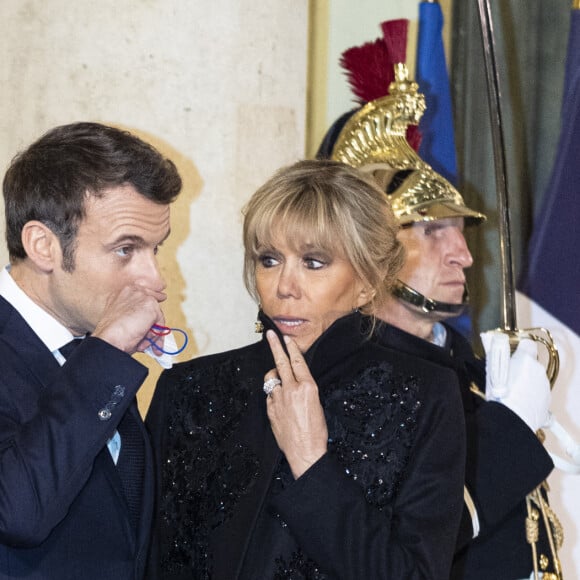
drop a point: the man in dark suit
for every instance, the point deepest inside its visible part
(87, 207)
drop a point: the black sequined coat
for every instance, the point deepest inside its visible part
(384, 502)
(505, 461)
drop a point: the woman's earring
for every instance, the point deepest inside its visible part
(258, 326)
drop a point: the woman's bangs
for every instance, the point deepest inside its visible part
(299, 226)
(309, 228)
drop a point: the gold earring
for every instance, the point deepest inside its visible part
(258, 326)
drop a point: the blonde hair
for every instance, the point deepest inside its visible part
(334, 207)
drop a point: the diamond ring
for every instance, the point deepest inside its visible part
(271, 384)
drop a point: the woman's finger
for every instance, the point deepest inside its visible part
(297, 363)
(280, 358)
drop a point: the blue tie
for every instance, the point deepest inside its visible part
(131, 462)
(67, 349)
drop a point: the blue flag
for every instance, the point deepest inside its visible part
(549, 293)
(438, 139)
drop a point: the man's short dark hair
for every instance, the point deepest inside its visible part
(50, 180)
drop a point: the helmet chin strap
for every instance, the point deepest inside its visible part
(408, 294)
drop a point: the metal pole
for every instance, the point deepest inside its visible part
(508, 314)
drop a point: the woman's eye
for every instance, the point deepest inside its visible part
(267, 261)
(314, 263)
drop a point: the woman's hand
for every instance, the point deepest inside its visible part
(294, 408)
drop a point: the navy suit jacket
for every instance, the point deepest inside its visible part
(63, 514)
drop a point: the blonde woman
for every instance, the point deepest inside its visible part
(313, 453)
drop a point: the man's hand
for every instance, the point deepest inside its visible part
(129, 316)
(518, 381)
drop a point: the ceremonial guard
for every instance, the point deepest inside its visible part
(508, 530)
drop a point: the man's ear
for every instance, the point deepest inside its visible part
(41, 245)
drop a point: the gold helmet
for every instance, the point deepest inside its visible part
(374, 140)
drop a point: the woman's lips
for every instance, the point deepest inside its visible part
(286, 324)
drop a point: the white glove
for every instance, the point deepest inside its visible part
(520, 381)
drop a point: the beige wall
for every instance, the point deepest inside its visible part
(219, 85)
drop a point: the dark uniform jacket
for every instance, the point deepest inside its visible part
(384, 502)
(63, 511)
(505, 461)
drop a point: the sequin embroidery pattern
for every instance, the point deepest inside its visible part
(203, 479)
(298, 567)
(372, 422)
